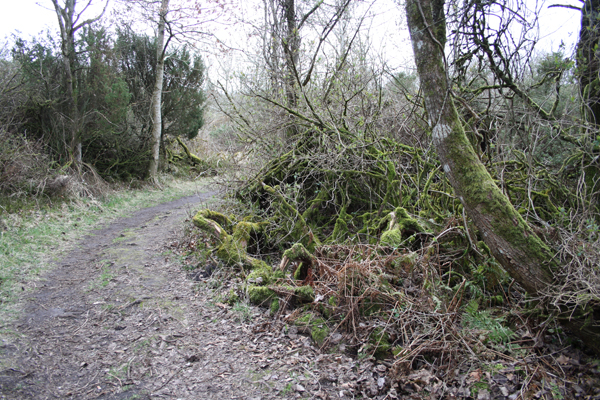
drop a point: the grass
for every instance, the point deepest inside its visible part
(35, 237)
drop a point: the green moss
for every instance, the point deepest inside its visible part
(317, 326)
(406, 262)
(219, 218)
(319, 333)
(299, 271)
(305, 293)
(299, 252)
(400, 223)
(332, 301)
(262, 274)
(202, 221)
(260, 295)
(274, 306)
(255, 263)
(392, 238)
(327, 312)
(243, 229)
(340, 230)
(231, 251)
(232, 297)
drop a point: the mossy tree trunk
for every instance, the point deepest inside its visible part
(525, 257)
(588, 60)
(512, 242)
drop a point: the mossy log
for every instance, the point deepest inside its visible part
(400, 224)
(192, 157)
(232, 248)
(298, 254)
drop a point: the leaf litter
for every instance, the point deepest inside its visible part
(120, 319)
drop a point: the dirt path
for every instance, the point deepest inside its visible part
(118, 319)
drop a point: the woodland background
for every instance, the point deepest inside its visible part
(460, 195)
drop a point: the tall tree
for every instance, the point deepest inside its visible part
(69, 23)
(512, 242)
(158, 89)
(588, 60)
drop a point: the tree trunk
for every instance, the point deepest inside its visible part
(524, 256)
(156, 114)
(291, 49)
(512, 242)
(67, 21)
(588, 60)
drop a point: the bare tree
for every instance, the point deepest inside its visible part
(70, 21)
(157, 93)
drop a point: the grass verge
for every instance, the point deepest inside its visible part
(32, 239)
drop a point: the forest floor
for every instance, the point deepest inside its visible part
(124, 315)
(119, 318)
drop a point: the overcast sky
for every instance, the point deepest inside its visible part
(29, 17)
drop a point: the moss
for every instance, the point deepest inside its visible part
(305, 293)
(400, 223)
(231, 252)
(262, 276)
(340, 230)
(392, 238)
(317, 326)
(298, 252)
(406, 262)
(219, 218)
(319, 332)
(260, 294)
(299, 272)
(243, 229)
(274, 306)
(301, 232)
(327, 312)
(232, 297)
(201, 220)
(255, 263)
(332, 301)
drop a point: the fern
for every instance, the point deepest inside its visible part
(492, 327)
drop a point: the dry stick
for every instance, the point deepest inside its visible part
(168, 380)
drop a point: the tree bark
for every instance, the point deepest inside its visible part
(291, 48)
(588, 60)
(512, 242)
(524, 256)
(67, 21)
(156, 112)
